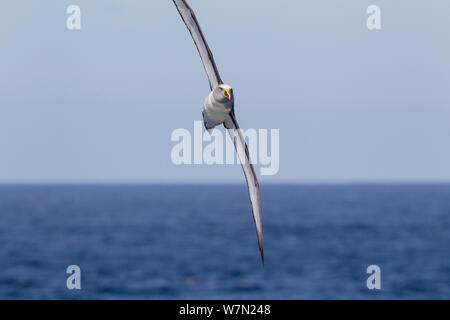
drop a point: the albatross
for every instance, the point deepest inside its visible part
(219, 109)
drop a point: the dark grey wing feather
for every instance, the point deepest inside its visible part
(206, 55)
(250, 176)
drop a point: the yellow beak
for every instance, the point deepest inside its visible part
(227, 94)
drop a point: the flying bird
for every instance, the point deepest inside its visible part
(219, 109)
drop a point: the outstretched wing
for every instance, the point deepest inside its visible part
(191, 22)
(250, 176)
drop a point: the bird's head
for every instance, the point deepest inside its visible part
(223, 93)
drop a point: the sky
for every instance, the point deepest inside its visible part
(99, 105)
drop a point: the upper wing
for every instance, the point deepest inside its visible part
(250, 176)
(191, 22)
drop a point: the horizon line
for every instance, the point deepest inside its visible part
(208, 183)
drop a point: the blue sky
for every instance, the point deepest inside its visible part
(99, 104)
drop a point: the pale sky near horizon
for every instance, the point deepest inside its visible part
(99, 104)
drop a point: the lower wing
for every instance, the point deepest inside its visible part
(250, 176)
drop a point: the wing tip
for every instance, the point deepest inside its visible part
(261, 250)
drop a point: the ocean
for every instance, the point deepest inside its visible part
(199, 242)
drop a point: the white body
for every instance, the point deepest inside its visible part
(215, 112)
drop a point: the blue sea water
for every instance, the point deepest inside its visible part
(199, 242)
